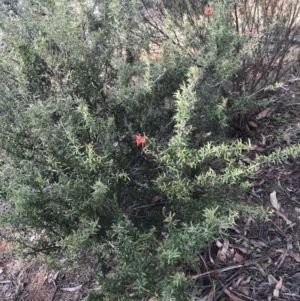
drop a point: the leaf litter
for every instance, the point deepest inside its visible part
(28, 282)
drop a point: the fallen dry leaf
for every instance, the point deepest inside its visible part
(237, 283)
(260, 269)
(262, 181)
(247, 225)
(225, 245)
(238, 258)
(244, 250)
(264, 113)
(254, 147)
(272, 280)
(278, 287)
(55, 275)
(71, 289)
(224, 253)
(219, 244)
(245, 290)
(253, 124)
(245, 159)
(211, 295)
(257, 243)
(265, 265)
(241, 281)
(221, 256)
(246, 281)
(210, 257)
(290, 223)
(231, 295)
(274, 200)
(296, 256)
(251, 147)
(289, 246)
(281, 259)
(281, 250)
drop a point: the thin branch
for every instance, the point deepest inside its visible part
(235, 266)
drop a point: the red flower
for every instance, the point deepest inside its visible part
(139, 140)
(208, 11)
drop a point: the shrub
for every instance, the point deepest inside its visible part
(146, 265)
(72, 102)
(79, 81)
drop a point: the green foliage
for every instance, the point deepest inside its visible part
(158, 267)
(79, 79)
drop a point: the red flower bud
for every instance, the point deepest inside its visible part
(139, 140)
(208, 11)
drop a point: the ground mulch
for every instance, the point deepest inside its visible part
(31, 281)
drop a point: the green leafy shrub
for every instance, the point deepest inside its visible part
(72, 102)
(80, 80)
(161, 268)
